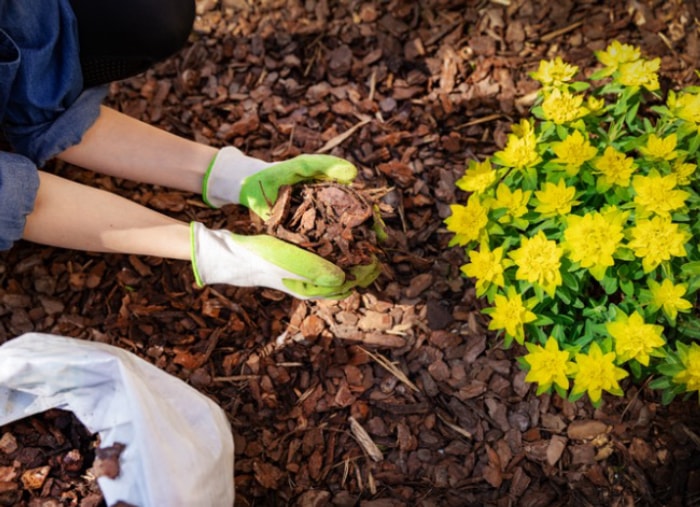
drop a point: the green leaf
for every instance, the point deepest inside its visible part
(625, 254)
(560, 391)
(507, 341)
(543, 389)
(494, 229)
(378, 225)
(491, 292)
(628, 287)
(539, 293)
(543, 320)
(575, 397)
(694, 144)
(583, 341)
(596, 311)
(631, 115)
(558, 332)
(690, 329)
(660, 383)
(635, 368)
(531, 178)
(562, 132)
(670, 370)
(632, 143)
(609, 284)
(691, 268)
(537, 333)
(693, 285)
(588, 178)
(565, 321)
(579, 86)
(599, 74)
(564, 294)
(661, 110)
(570, 281)
(667, 397)
(537, 112)
(520, 224)
(547, 128)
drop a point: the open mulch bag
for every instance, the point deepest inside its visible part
(178, 443)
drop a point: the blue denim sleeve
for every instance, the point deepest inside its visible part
(19, 182)
(9, 63)
(40, 142)
(43, 106)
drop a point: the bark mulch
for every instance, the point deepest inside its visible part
(397, 395)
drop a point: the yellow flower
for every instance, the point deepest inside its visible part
(640, 73)
(573, 151)
(657, 194)
(548, 365)
(614, 167)
(510, 314)
(514, 201)
(685, 105)
(520, 150)
(683, 171)
(524, 128)
(478, 177)
(616, 54)
(634, 338)
(538, 260)
(554, 72)
(486, 266)
(555, 199)
(561, 106)
(595, 105)
(593, 239)
(690, 376)
(596, 372)
(657, 240)
(669, 298)
(660, 148)
(467, 222)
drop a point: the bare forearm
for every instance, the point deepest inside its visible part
(71, 215)
(122, 146)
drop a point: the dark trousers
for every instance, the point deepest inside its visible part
(125, 37)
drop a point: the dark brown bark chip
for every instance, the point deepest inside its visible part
(341, 223)
(46, 458)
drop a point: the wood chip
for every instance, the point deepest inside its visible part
(365, 440)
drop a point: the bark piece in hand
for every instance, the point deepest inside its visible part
(329, 219)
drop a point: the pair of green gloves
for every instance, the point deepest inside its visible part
(219, 256)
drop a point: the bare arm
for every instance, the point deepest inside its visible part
(122, 146)
(71, 215)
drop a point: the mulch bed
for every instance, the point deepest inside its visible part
(397, 395)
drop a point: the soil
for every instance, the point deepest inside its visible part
(397, 395)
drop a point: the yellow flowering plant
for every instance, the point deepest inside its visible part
(582, 232)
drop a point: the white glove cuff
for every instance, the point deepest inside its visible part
(218, 258)
(225, 175)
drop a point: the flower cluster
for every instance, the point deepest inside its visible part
(582, 232)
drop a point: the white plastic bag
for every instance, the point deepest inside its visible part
(179, 446)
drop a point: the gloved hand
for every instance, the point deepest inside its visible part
(235, 178)
(219, 256)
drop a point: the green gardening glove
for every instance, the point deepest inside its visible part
(219, 256)
(235, 178)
